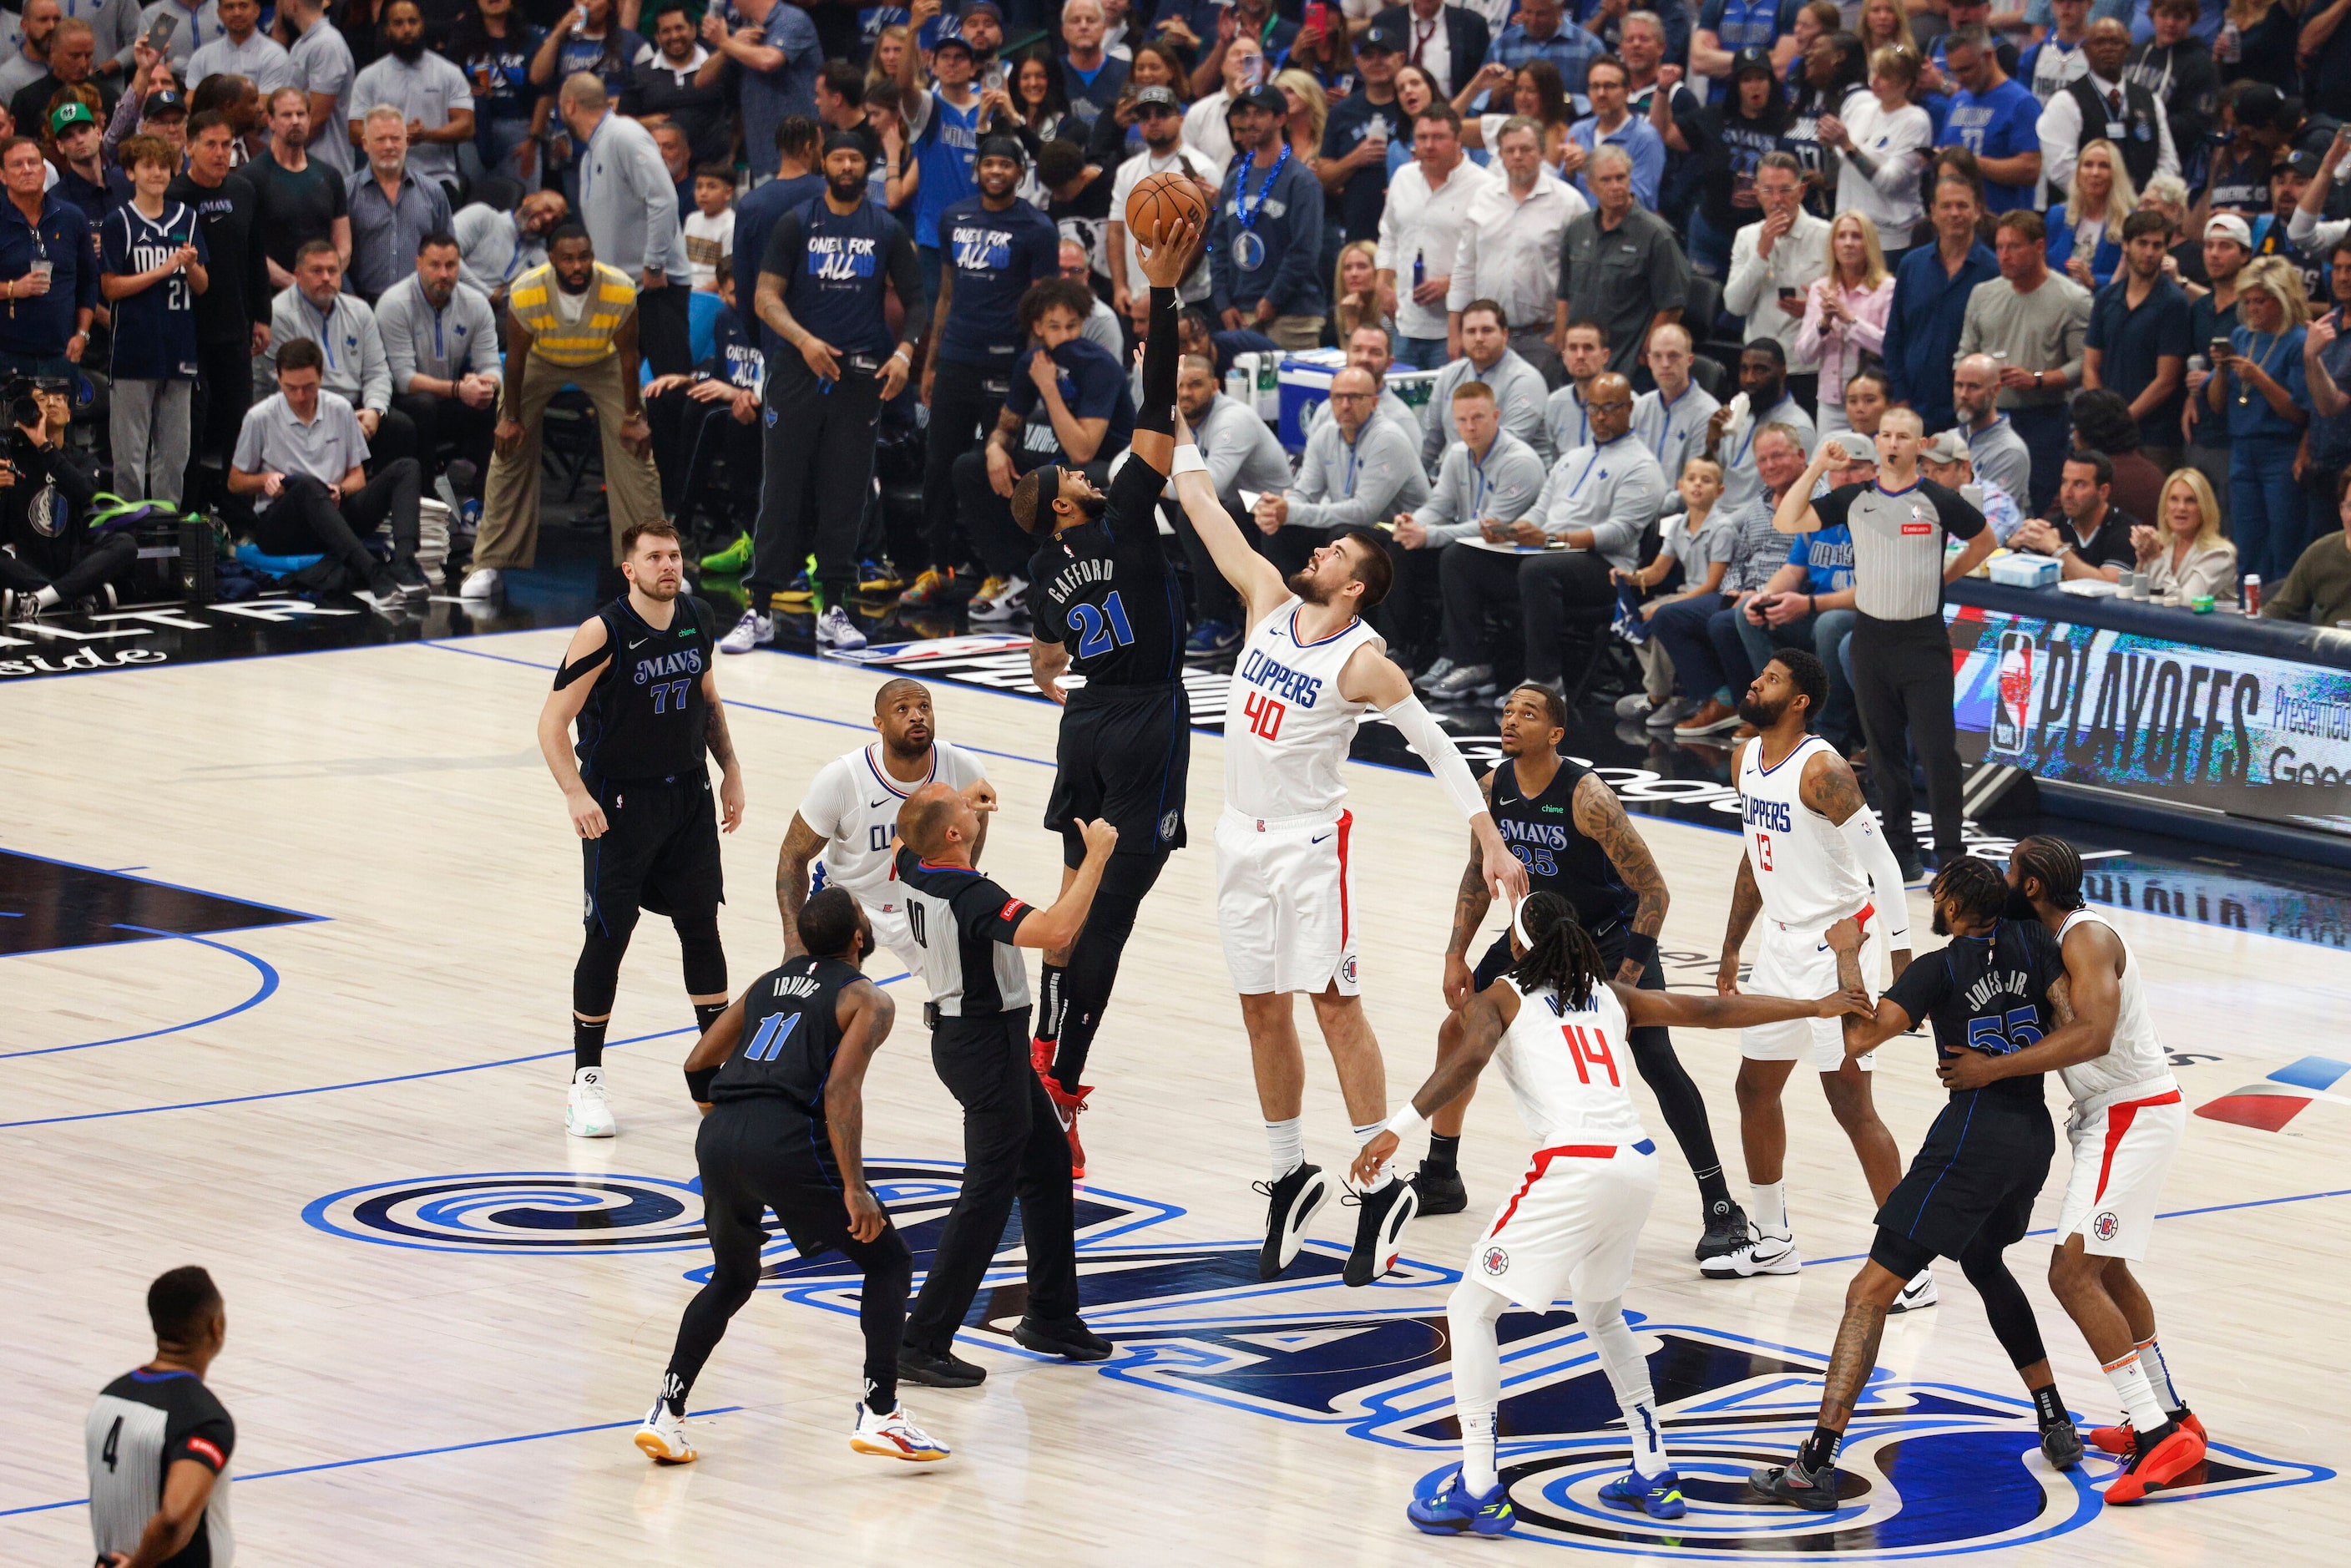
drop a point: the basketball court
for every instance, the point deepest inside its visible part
(286, 945)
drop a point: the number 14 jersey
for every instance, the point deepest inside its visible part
(1287, 728)
(1565, 1069)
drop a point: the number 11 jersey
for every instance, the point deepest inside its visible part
(1287, 728)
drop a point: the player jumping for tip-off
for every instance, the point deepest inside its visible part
(1310, 670)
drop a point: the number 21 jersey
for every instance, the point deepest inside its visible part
(1104, 590)
(155, 328)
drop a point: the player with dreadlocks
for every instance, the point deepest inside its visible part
(2125, 1129)
(1998, 990)
(1558, 1022)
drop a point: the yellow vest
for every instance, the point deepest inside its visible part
(561, 342)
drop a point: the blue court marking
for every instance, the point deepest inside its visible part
(2175, 1213)
(356, 1083)
(866, 728)
(244, 1479)
(2318, 1073)
(268, 987)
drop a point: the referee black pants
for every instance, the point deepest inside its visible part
(1013, 1147)
(1902, 686)
(817, 469)
(964, 402)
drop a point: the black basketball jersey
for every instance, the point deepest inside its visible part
(645, 717)
(1559, 858)
(1103, 589)
(1988, 993)
(144, 1424)
(789, 1037)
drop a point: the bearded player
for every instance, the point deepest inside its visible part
(1309, 671)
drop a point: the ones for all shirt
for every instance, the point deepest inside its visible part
(155, 328)
(995, 256)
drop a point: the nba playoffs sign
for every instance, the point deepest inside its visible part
(2175, 721)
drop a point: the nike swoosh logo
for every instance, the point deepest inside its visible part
(638, 643)
(1318, 840)
(877, 805)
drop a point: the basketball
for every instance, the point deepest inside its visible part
(1163, 200)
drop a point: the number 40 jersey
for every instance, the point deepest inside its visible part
(1287, 728)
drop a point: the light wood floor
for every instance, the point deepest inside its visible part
(396, 791)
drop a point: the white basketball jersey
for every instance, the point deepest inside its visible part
(1805, 870)
(1570, 1071)
(853, 804)
(2136, 1059)
(1287, 728)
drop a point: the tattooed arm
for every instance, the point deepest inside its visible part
(801, 846)
(1469, 907)
(1600, 818)
(722, 746)
(1829, 787)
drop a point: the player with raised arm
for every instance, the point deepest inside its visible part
(1567, 829)
(639, 796)
(845, 825)
(2125, 1129)
(1106, 606)
(1998, 988)
(1557, 1025)
(1309, 671)
(1813, 856)
(780, 1077)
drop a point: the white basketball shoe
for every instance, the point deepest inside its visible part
(893, 1437)
(662, 1436)
(589, 1114)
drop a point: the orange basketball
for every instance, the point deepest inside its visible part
(1162, 201)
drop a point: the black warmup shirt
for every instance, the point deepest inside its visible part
(290, 210)
(237, 291)
(789, 1037)
(646, 717)
(965, 924)
(1104, 591)
(1988, 993)
(1542, 832)
(144, 1424)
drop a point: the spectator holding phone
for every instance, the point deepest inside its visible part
(48, 269)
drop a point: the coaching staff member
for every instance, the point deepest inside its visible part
(1901, 653)
(159, 1442)
(970, 931)
(820, 291)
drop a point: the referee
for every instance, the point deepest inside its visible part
(1901, 653)
(820, 291)
(639, 795)
(160, 1443)
(971, 931)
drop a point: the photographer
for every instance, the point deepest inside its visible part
(45, 500)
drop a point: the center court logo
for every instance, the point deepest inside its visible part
(1930, 1470)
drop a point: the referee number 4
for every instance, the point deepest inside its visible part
(1264, 714)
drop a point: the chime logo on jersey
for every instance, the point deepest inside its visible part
(834, 256)
(1931, 1470)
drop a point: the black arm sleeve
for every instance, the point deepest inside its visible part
(906, 277)
(1156, 412)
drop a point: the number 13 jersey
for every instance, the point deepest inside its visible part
(1803, 868)
(1287, 728)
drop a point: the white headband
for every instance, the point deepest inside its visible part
(1519, 925)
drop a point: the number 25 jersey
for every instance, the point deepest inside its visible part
(1287, 728)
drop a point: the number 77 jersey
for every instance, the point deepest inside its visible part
(1287, 728)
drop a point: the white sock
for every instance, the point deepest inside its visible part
(1387, 1166)
(2158, 1374)
(1477, 1473)
(2136, 1393)
(48, 597)
(1628, 1375)
(1289, 1143)
(587, 1075)
(1648, 1439)
(1767, 1206)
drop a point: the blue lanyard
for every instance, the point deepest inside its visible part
(1666, 430)
(1478, 485)
(515, 260)
(1593, 462)
(1754, 424)
(438, 352)
(1349, 448)
(1242, 211)
(326, 337)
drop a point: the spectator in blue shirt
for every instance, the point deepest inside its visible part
(2261, 386)
(2140, 337)
(1265, 257)
(776, 54)
(1092, 76)
(1604, 20)
(1931, 304)
(1613, 122)
(1543, 33)
(48, 269)
(2326, 367)
(1727, 27)
(1996, 117)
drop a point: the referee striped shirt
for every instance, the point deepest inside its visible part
(1897, 543)
(142, 1425)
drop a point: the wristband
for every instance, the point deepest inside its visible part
(1188, 461)
(1640, 948)
(698, 1083)
(1405, 1123)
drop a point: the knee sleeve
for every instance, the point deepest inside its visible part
(705, 960)
(1470, 1314)
(2005, 1306)
(597, 976)
(1620, 1354)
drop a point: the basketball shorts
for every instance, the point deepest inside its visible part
(1799, 964)
(1572, 1225)
(659, 849)
(1285, 902)
(760, 1152)
(1982, 1164)
(1124, 755)
(2121, 1155)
